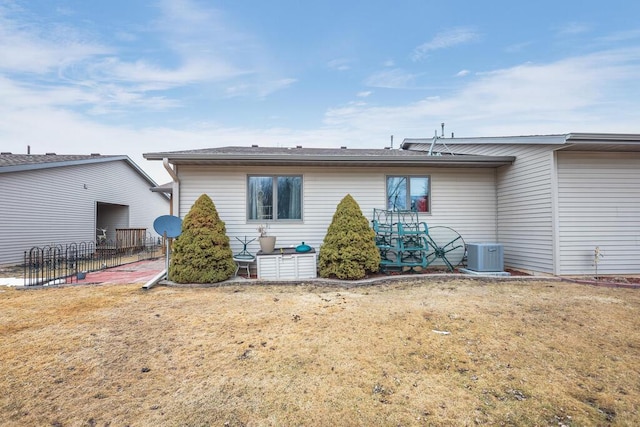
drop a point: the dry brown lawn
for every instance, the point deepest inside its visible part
(516, 353)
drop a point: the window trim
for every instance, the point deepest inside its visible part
(275, 198)
(408, 191)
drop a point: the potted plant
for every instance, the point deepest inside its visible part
(267, 243)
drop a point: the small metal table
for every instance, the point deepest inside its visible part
(244, 258)
(243, 262)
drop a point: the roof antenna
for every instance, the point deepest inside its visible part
(433, 142)
(435, 139)
(392, 142)
(28, 149)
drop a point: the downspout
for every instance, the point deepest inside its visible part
(555, 220)
(175, 206)
(175, 195)
(496, 205)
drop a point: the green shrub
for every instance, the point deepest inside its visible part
(348, 250)
(201, 254)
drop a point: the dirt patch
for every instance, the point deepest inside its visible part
(414, 352)
(12, 271)
(607, 281)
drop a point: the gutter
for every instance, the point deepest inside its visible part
(167, 166)
(603, 138)
(175, 194)
(270, 160)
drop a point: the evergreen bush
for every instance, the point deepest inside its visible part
(348, 250)
(201, 254)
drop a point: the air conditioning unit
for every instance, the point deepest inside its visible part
(485, 257)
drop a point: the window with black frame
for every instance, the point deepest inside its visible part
(408, 193)
(274, 198)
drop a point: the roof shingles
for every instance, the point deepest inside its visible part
(39, 159)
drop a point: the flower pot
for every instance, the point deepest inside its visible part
(267, 244)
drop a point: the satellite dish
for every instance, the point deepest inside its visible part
(168, 225)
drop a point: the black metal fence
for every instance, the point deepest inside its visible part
(58, 264)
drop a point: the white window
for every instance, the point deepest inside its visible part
(408, 193)
(274, 198)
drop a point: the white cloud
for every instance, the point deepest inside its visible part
(445, 40)
(573, 28)
(621, 36)
(462, 73)
(262, 89)
(364, 94)
(592, 93)
(339, 64)
(64, 132)
(391, 79)
(25, 47)
(204, 47)
(517, 47)
(193, 70)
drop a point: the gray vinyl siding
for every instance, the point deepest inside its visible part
(52, 206)
(463, 199)
(524, 202)
(599, 206)
(526, 211)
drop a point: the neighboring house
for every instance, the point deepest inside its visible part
(550, 200)
(58, 199)
(564, 196)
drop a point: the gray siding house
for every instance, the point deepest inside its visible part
(58, 199)
(549, 200)
(562, 197)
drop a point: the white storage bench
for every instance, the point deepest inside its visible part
(286, 263)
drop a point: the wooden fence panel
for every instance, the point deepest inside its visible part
(131, 238)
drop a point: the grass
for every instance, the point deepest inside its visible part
(421, 352)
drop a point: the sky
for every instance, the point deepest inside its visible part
(139, 76)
